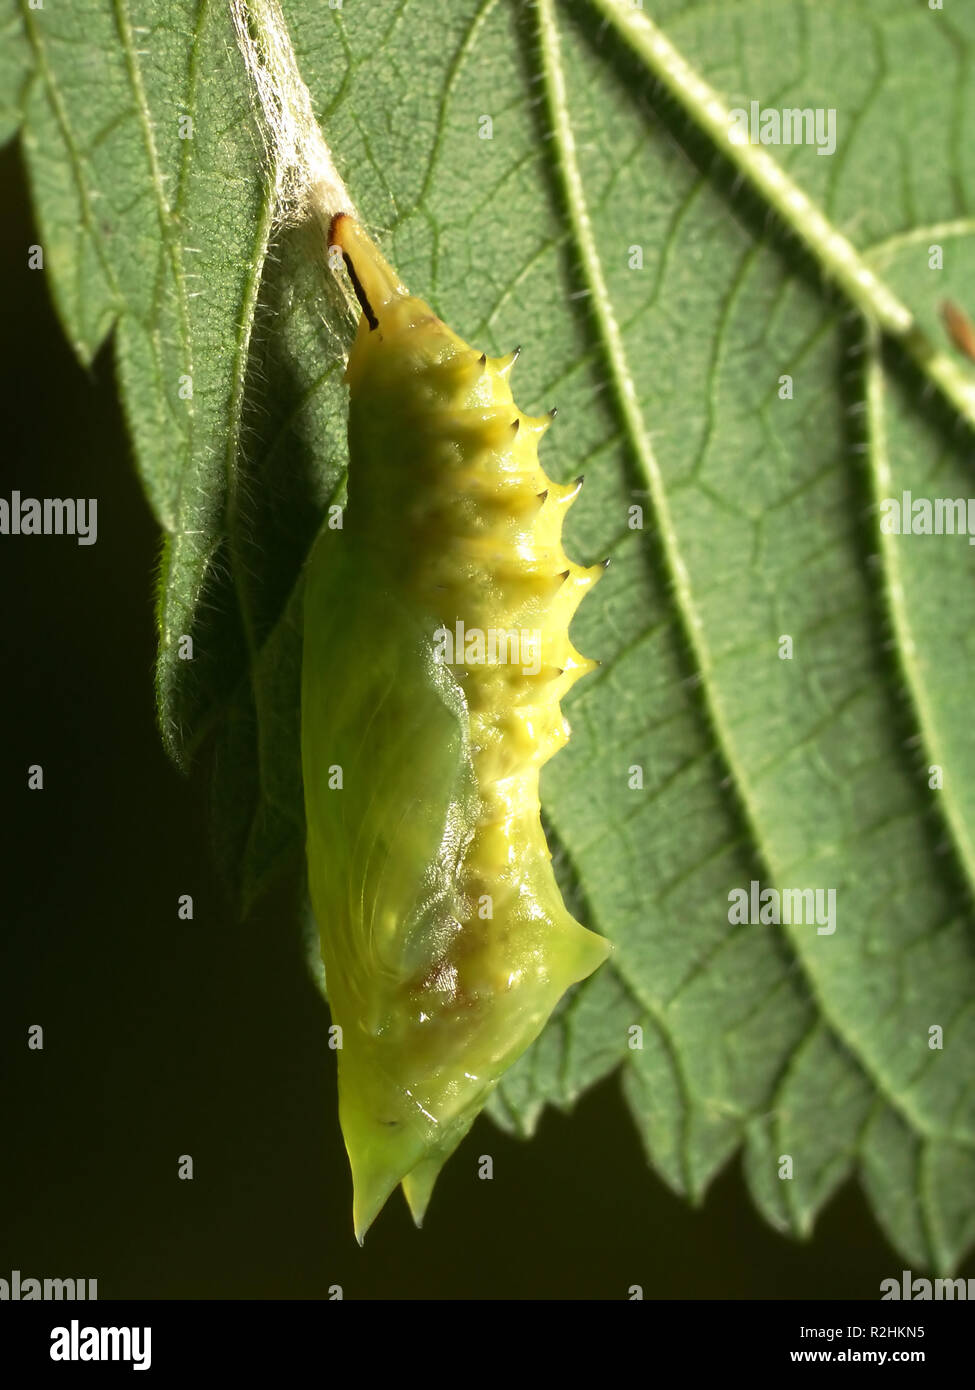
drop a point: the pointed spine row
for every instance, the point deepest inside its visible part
(497, 565)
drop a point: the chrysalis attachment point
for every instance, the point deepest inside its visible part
(375, 282)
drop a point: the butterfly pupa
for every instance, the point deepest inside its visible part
(436, 652)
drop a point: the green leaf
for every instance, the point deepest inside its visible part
(662, 281)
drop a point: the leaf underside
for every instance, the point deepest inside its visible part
(660, 301)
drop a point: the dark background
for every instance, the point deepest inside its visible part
(164, 1037)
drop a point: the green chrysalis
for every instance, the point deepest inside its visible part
(436, 652)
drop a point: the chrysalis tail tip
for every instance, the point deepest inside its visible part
(418, 1207)
(374, 1176)
(364, 1214)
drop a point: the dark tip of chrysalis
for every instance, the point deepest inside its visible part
(333, 227)
(605, 563)
(515, 354)
(515, 426)
(553, 412)
(482, 360)
(563, 575)
(580, 480)
(542, 495)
